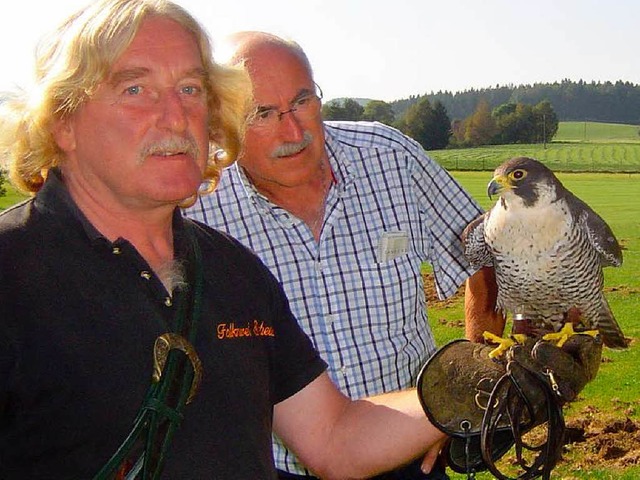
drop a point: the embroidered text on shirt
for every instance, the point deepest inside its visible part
(255, 329)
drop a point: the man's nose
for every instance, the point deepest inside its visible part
(173, 114)
(290, 126)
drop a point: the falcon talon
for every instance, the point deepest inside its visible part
(504, 344)
(491, 337)
(563, 335)
(591, 333)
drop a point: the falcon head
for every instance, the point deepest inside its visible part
(525, 178)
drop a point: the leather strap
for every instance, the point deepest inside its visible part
(510, 398)
(177, 372)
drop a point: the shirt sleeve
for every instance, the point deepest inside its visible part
(446, 208)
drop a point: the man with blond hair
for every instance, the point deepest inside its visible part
(135, 343)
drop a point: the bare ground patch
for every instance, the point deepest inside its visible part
(608, 440)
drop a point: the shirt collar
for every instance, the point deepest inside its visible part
(342, 164)
(54, 198)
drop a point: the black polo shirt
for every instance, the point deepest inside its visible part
(78, 319)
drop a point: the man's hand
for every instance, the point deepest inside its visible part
(432, 456)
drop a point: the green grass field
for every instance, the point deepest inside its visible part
(593, 132)
(577, 147)
(12, 197)
(616, 389)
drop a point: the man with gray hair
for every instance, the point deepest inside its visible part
(344, 214)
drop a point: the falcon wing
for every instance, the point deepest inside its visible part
(475, 249)
(600, 235)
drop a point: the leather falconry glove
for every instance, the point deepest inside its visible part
(487, 404)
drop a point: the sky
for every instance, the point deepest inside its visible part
(389, 50)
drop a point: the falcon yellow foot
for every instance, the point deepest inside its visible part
(503, 343)
(565, 333)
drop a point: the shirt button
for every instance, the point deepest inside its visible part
(319, 267)
(116, 251)
(168, 302)
(331, 319)
(343, 370)
(146, 275)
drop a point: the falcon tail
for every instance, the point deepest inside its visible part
(608, 327)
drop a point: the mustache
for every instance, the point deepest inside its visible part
(171, 146)
(291, 148)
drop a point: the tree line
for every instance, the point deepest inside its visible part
(498, 115)
(430, 124)
(608, 102)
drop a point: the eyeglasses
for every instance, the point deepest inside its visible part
(305, 107)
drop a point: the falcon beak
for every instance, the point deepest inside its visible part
(498, 184)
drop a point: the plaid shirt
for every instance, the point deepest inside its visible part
(358, 292)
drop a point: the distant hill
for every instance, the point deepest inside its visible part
(617, 102)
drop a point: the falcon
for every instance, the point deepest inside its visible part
(548, 249)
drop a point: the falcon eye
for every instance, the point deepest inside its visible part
(518, 174)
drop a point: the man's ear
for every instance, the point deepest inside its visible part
(64, 134)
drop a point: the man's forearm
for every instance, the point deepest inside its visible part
(481, 292)
(381, 433)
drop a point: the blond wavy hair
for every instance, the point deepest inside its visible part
(77, 57)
